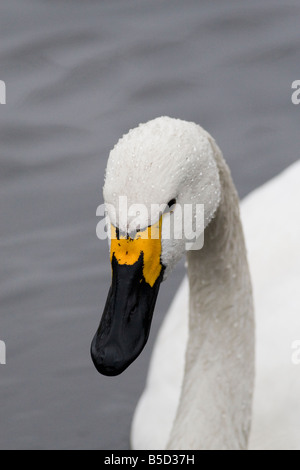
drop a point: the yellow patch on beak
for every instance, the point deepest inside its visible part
(128, 250)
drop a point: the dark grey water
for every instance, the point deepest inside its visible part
(78, 75)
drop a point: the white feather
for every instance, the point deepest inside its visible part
(271, 223)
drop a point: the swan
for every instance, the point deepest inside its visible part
(199, 392)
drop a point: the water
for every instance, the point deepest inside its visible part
(79, 75)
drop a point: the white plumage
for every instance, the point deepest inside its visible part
(271, 221)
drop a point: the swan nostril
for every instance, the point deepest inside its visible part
(132, 313)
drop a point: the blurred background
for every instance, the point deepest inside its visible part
(79, 75)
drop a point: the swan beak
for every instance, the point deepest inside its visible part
(137, 273)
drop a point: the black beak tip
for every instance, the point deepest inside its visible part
(107, 360)
(126, 320)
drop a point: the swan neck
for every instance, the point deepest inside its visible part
(219, 370)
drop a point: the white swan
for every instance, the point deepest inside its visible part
(200, 384)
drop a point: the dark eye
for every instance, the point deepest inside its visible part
(170, 206)
(172, 203)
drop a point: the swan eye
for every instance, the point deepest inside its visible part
(172, 203)
(170, 206)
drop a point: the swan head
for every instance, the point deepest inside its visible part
(160, 176)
